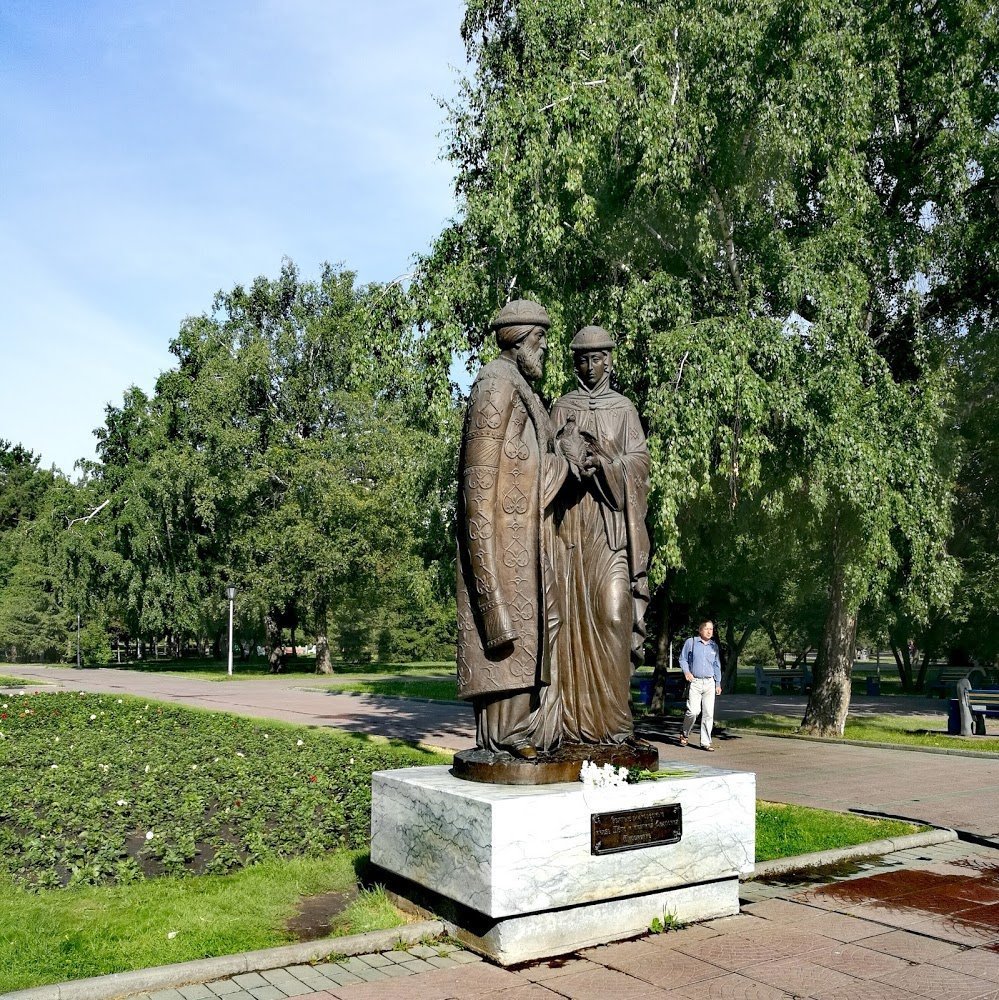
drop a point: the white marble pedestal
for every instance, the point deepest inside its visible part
(514, 870)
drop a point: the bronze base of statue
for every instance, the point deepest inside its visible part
(559, 765)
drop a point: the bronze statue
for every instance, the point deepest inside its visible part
(552, 557)
(600, 519)
(507, 599)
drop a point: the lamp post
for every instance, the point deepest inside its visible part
(230, 593)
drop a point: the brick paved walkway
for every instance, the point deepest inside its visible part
(915, 925)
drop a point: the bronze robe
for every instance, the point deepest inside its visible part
(601, 522)
(508, 476)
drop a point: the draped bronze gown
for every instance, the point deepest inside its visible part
(605, 554)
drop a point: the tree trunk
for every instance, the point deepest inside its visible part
(923, 667)
(734, 648)
(272, 643)
(900, 650)
(775, 644)
(324, 660)
(829, 701)
(664, 616)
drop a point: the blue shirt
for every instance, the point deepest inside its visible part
(701, 658)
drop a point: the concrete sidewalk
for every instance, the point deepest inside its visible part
(951, 791)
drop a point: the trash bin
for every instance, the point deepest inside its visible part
(954, 718)
(644, 690)
(873, 686)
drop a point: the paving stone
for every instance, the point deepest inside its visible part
(315, 980)
(338, 974)
(980, 962)
(422, 951)
(396, 971)
(840, 926)
(799, 976)
(442, 962)
(857, 961)
(780, 911)
(283, 979)
(731, 986)
(418, 965)
(465, 957)
(356, 966)
(396, 956)
(869, 990)
(299, 970)
(554, 968)
(940, 984)
(249, 980)
(199, 991)
(375, 960)
(224, 987)
(911, 947)
(268, 992)
(166, 995)
(473, 981)
(600, 984)
(666, 968)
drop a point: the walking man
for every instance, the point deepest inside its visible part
(701, 665)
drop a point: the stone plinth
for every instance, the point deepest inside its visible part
(516, 867)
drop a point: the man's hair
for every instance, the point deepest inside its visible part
(705, 621)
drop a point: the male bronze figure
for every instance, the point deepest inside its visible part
(506, 594)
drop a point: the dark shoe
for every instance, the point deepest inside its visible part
(525, 751)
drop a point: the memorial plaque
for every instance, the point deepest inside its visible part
(631, 829)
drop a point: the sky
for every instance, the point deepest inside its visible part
(155, 152)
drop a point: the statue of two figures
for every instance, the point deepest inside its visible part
(552, 558)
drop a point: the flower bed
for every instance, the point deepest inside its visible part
(97, 789)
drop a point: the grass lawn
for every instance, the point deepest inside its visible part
(134, 833)
(433, 688)
(14, 682)
(60, 934)
(784, 831)
(304, 667)
(917, 731)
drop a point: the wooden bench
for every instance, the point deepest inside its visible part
(984, 703)
(787, 680)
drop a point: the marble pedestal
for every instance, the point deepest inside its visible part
(512, 867)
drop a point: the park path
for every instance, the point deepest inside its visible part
(957, 791)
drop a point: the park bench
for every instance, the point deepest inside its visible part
(786, 680)
(984, 703)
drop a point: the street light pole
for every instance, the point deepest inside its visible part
(230, 593)
(79, 659)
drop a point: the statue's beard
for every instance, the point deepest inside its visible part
(531, 363)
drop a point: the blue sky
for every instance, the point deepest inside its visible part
(154, 152)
